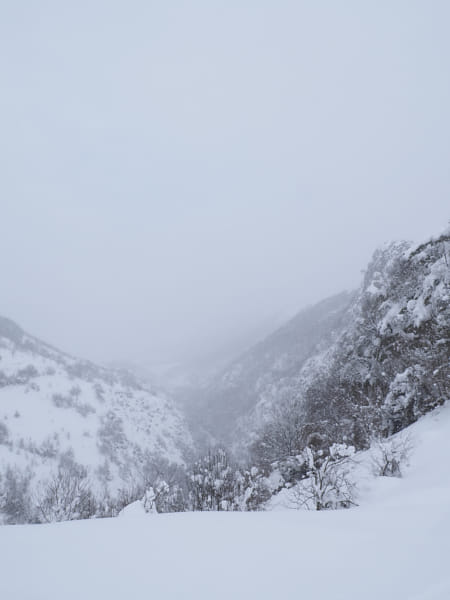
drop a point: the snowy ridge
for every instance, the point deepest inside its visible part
(55, 406)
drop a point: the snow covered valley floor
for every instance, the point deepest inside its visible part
(394, 546)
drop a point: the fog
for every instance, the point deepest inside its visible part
(179, 177)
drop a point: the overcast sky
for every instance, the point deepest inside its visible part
(176, 173)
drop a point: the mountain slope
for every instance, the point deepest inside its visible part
(353, 366)
(54, 408)
(269, 369)
(392, 364)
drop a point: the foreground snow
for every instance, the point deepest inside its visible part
(396, 545)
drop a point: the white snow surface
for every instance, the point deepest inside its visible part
(394, 546)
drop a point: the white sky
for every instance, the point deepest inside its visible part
(176, 173)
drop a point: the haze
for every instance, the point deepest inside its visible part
(181, 176)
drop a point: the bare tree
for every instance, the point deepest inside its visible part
(328, 484)
(66, 497)
(389, 456)
(282, 434)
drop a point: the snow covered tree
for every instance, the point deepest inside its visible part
(67, 496)
(328, 483)
(168, 482)
(252, 489)
(212, 482)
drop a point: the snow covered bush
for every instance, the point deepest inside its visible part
(328, 483)
(67, 496)
(212, 482)
(168, 482)
(149, 501)
(15, 503)
(158, 484)
(164, 498)
(291, 469)
(409, 397)
(252, 490)
(170, 497)
(390, 455)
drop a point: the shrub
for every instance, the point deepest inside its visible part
(15, 501)
(328, 484)
(389, 456)
(67, 495)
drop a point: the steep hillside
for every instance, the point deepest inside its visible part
(270, 369)
(350, 368)
(392, 364)
(55, 408)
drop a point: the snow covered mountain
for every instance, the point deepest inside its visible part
(57, 409)
(377, 358)
(268, 369)
(356, 367)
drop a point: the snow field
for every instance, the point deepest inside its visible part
(394, 546)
